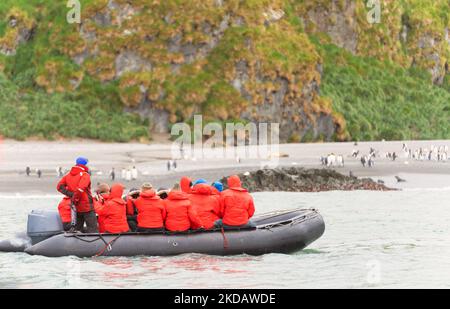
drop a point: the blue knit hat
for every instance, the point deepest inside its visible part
(200, 181)
(218, 185)
(82, 161)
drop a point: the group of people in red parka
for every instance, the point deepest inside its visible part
(187, 206)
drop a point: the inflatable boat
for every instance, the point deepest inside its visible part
(277, 232)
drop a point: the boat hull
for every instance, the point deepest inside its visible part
(281, 233)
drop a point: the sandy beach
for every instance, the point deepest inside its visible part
(151, 161)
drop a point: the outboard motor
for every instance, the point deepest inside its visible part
(43, 224)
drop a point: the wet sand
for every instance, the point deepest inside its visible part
(151, 161)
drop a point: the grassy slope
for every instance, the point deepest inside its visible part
(50, 116)
(93, 111)
(384, 101)
(377, 99)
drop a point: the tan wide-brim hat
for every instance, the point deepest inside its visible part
(103, 188)
(146, 186)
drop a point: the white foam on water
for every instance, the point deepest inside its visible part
(19, 242)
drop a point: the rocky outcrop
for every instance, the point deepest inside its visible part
(19, 30)
(338, 20)
(429, 50)
(129, 61)
(406, 34)
(158, 118)
(191, 51)
(295, 121)
(296, 179)
(117, 37)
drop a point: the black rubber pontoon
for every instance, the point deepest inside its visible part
(278, 232)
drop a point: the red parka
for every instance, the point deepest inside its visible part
(185, 184)
(64, 210)
(77, 185)
(237, 204)
(205, 205)
(180, 214)
(99, 202)
(113, 213)
(151, 210)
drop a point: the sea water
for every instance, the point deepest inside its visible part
(397, 239)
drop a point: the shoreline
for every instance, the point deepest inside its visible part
(151, 161)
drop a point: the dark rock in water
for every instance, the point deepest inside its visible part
(295, 179)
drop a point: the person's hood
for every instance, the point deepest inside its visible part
(78, 169)
(199, 181)
(185, 184)
(203, 189)
(116, 192)
(178, 195)
(234, 183)
(149, 194)
(218, 186)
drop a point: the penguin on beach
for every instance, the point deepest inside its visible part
(399, 179)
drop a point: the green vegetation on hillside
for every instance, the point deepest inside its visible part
(51, 116)
(383, 101)
(375, 93)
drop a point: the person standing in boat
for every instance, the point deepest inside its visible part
(64, 207)
(76, 185)
(237, 206)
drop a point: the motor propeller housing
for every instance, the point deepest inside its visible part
(43, 224)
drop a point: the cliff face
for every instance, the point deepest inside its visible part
(412, 33)
(257, 60)
(224, 59)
